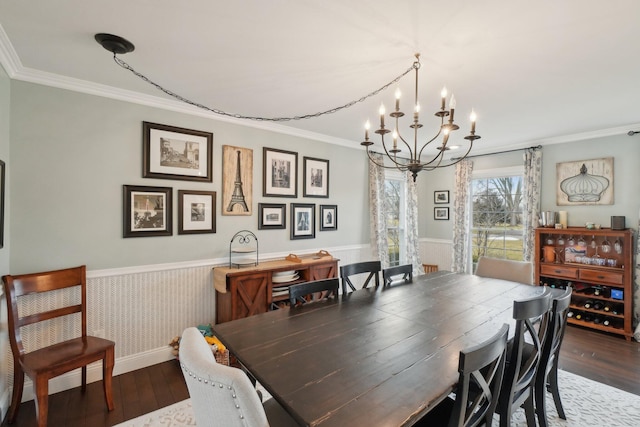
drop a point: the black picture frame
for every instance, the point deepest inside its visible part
(441, 197)
(2, 191)
(328, 217)
(315, 177)
(138, 203)
(272, 216)
(196, 212)
(279, 173)
(441, 214)
(170, 152)
(303, 221)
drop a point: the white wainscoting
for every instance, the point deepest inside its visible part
(436, 251)
(141, 309)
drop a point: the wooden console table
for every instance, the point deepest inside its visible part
(243, 292)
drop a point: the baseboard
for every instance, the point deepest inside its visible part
(94, 373)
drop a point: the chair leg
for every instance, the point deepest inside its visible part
(540, 401)
(84, 379)
(529, 411)
(18, 386)
(107, 376)
(41, 385)
(553, 382)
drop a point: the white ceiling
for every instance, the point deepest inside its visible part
(535, 72)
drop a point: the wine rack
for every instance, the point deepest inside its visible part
(598, 265)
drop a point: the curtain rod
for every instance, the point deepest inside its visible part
(500, 152)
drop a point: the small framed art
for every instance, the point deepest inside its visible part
(170, 152)
(441, 213)
(441, 196)
(303, 221)
(328, 217)
(316, 177)
(147, 211)
(280, 173)
(196, 212)
(272, 216)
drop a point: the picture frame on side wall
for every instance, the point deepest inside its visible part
(441, 196)
(316, 177)
(196, 212)
(2, 186)
(303, 221)
(272, 216)
(279, 173)
(147, 211)
(237, 181)
(441, 214)
(170, 152)
(328, 217)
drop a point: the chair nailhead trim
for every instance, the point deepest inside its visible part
(233, 394)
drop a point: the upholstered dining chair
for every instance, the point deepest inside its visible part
(397, 274)
(515, 271)
(302, 293)
(523, 358)
(372, 268)
(222, 396)
(547, 375)
(481, 371)
(66, 297)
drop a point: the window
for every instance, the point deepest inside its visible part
(395, 202)
(497, 222)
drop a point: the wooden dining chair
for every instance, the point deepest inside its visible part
(505, 269)
(547, 375)
(56, 359)
(523, 358)
(481, 371)
(372, 268)
(392, 274)
(313, 291)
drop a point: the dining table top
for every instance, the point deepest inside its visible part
(374, 357)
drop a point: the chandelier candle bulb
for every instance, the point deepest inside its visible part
(443, 94)
(416, 111)
(398, 94)
(367, 125)
(452, 107)
(382, 111)
(473, 118)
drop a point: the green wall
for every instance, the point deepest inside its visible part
(72, 153)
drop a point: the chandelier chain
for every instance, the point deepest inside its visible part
(128, 67)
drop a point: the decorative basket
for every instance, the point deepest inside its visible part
(222, 357)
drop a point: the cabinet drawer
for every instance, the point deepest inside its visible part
(602, 276)
(559, 270)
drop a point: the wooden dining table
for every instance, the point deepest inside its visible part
(375, 357)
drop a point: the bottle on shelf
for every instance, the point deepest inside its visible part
(578, 315)
(588, 304)
(598, 305)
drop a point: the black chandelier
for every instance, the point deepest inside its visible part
(414, 164)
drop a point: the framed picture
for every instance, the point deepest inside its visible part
(196, 212)
(280, 170)
(585, 182)
(316, 177)
(147, 211)
(237, 181)
(2, 185)
(328, 217)
(441, 213)
(170, 152)
(303, 221)
(441, 196)
(272, 216)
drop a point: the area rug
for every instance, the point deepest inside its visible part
(586, 403)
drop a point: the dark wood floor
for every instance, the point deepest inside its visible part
(601, 357)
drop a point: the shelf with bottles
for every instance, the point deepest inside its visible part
(595, 320)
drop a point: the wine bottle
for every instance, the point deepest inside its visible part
(598, 305)
(588, 304)
(570, 313)
(597, 291)
(606, 322)
(597, 320)
(578, 315)
(607, 307)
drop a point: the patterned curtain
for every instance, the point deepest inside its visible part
(461, 217)
(531, 208)
(412, 250)
(377, 211)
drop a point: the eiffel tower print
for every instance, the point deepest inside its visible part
(238, 195)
